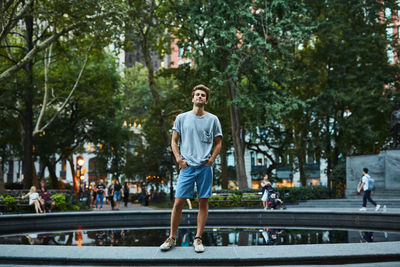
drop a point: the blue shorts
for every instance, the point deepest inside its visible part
(203, 176)
(117, 196)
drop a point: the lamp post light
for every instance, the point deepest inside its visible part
(79, 163)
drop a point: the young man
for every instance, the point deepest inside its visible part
(364, 184)
(198, 131)
(100, 194)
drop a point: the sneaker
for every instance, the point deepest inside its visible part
(363, 209)
(377, 207)
(198, 245)
(168, 244)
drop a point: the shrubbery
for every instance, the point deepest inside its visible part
(252, 197)
(10, 203)
(63, 202)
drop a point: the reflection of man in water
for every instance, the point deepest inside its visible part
(185, 234)
(367, 237)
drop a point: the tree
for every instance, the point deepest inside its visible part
(150, 155)
(28, 28)
(344, 71)
(216, 33)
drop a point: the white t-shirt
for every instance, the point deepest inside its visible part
(196, 136)
(365, 180)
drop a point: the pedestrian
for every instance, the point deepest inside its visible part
(365, 185)
(126, 194)
(117, 194)
(34, 199)
(100, 194)
(93, 194)
(265, 185)
(199, 133)
(111, 194)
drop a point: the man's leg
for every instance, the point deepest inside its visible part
(176, 216)
(202, 216)
(365, 199)
(369, 197)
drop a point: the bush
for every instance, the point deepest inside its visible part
(61, 204)
(10, 203)
(236, 198)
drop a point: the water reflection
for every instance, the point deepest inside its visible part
(211, 237)
(367, 237)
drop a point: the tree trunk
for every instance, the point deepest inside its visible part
(237, 138)
(328, 154)
(2, 187)
(35, 179)
(243, 238)
(28, 114)
(72, 166)
(301, 159)
(53, 175)
(156, 108)
(224, 166)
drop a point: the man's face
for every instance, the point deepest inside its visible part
(199, 98)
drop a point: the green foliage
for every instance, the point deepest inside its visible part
(9, 202)
(76, 208)
(252, 198)
(339, 180)
(61, 204)
(150, 156)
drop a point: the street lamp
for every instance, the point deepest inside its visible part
(79, 163)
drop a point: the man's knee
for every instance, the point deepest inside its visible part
(203, 203)
(179, 203)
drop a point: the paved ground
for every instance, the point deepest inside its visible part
(107, 207)
(318, 251)
(185, 256)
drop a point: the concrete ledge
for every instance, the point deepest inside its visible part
(256, 255)
(389, 221)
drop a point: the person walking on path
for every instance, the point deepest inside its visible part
(199, 132)
(126, 194)
(117, 194)
(111, 194)
(265, 185)
(100, 194)
(364, 184)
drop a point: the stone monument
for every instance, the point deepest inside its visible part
(384, 168)
(395, 126)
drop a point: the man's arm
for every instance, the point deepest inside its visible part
(216, 150)
(361, 186)
(175, 149)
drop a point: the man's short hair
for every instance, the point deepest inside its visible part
(365, 170)
(203, 88)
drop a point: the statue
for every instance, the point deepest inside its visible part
(395, 126)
